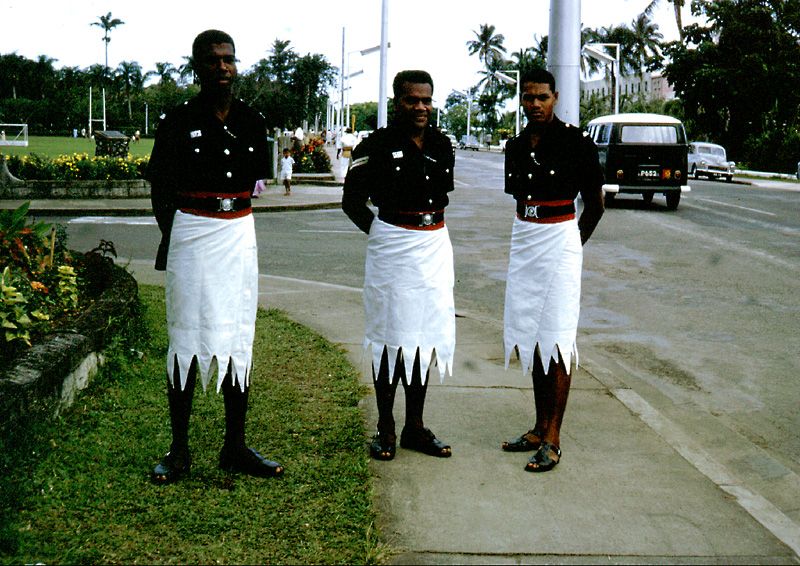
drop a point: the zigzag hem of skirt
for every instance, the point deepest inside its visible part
(429, 356)
(208, 364)
(567, 350)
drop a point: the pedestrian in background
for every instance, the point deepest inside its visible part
(208, 154)
(287, 163)
(406, 170)
(546, 167)
(345, 153)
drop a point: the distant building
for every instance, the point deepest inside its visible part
(653, 86)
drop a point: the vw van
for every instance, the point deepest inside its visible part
(642, 154)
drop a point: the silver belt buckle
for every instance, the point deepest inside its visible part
(225, 204)
(427, 219)
(532, 211)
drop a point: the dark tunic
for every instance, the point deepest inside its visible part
(563, 164)
(194, 152)
(390, 170)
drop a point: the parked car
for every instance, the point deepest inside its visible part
(469, 142)
(641, 154)
(709, 160)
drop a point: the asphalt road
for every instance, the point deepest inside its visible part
(695, 309)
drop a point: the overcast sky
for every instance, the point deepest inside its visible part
(428, 34)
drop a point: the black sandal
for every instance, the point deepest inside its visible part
(545, 458)
(423, 440)
(383, 446)
(524, 443)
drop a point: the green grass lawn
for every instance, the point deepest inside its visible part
(76, 490)
(55, 146)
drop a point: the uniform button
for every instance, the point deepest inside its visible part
(447, 170)
(229, 174)
(397, 168)
(197, 150)
(533, 155)
(530, 175)
(225, 127)
(427, 178)
(552, 172)
(529, 197)
(227, 151)
(250, 149)
(430, 201)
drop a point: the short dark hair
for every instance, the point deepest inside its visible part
(538, 75)
(413, 77)
(208, 38)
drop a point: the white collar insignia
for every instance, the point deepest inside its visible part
(195, 134)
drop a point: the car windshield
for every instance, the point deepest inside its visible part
(649, 134)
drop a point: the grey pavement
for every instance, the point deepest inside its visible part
(632, 486)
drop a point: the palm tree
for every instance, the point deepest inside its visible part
(129, 74)
(646, 40)
(677, 5)
(164, 71)
(107, 23)
(487, 45)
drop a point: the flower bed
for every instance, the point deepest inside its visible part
(311, 158)
(43, 285)
(76, 167)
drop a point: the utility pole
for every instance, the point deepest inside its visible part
(563, 57)
(382, 98)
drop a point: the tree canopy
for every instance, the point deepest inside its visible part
(739, 78)
(287, 88)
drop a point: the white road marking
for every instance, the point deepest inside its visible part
(736, 206)
(332, 231)
(130, 220)
(313, 283)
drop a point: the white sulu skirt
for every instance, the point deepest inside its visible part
(408, 298)
(212, 297)
(543, 292)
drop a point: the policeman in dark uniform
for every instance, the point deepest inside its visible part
(406, 171)
(207, 156)
(546, 167)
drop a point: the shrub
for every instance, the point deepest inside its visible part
(41, 282)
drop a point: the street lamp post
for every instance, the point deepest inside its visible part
(469, 108)
(591, 49)
(511, 81)
(359, 72)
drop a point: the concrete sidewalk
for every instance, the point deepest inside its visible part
(632, 487)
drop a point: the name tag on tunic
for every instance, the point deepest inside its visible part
(397, 154)
(195, 134)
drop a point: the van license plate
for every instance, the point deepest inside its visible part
(649, 173)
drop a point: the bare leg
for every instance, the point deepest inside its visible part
(551, 391)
